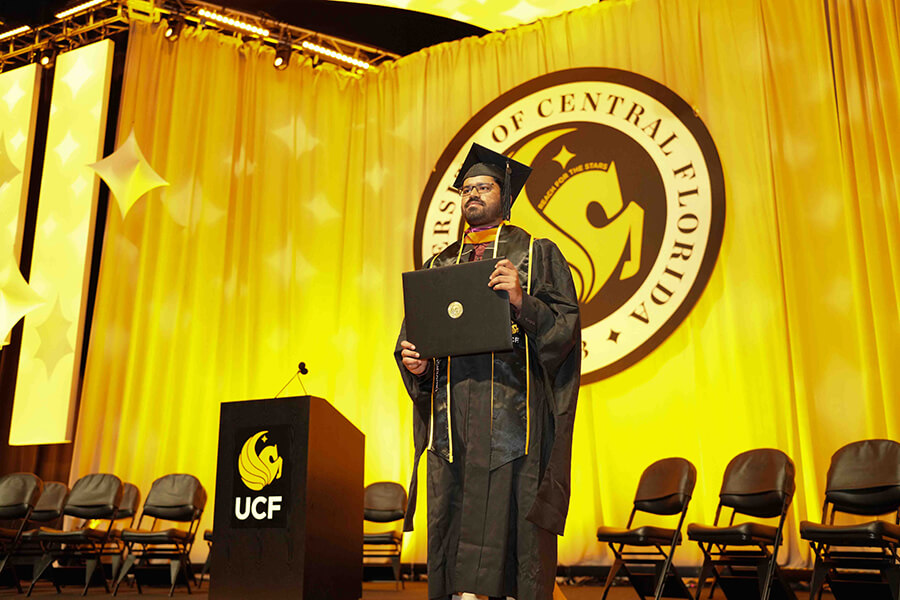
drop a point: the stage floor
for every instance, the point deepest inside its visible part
(371, 591)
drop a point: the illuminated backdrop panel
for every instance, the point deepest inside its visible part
(18, 102)
(51, 341)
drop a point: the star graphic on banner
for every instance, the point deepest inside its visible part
(563, 157)
(242, 166)
(296, 136)
(369, 278)
(290, 264)
(450, 6)
(187, 206)
(128, 174)
(7, 169)
(78, 185)
(48, 227)
(66, 147)
(17, 298)
(458, 16)
(375, 177)
(77, 76)
(17, 140)
(13, 95)
(525, 12)
(320, 209)
(54, 334)
(614, 335)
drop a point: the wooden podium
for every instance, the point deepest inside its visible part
(288, 519)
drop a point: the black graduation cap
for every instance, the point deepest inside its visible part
(483, 161)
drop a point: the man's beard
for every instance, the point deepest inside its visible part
(476, 213)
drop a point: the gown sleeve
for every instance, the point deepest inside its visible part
(550, 317)
(419, 389)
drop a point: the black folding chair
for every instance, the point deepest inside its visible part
(19, 492)
(385, 502)
(665, 488)
(128, 509)
(93, 497)
(859, 560)
(178, 498)
(742, 558)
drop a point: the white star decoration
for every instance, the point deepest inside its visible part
(525, 12)
(296, 136)
(17, 140)
(13, 95)
(375, 177)
(128, 174)
(78, 74)
(66, 147)
(320, 209)
(17, 298)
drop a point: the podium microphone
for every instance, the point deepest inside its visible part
(301, 369)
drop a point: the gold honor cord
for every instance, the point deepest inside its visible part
(527, 362)
(494, 255)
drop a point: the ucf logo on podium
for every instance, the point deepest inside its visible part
(626, 181)
(261, 482)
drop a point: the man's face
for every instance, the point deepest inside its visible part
(481, 207)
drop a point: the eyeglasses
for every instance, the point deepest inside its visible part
(480, 189)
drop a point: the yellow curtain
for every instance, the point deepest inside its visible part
(291, 211)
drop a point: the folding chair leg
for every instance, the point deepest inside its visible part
(90, 567)
(123, 572)
(705, 570)
(174, 567)
(818, 579)
(766, 578)
(395, 563)
(661, 582)
(613, 571)
(892, 574)
(205, 568)
(12, 572)
(188, 571)
(39, 569)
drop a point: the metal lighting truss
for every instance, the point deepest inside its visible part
(103, 19)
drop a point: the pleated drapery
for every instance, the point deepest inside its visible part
(290, 217)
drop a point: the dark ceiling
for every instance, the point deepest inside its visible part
(396, 30)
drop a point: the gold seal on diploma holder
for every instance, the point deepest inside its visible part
(455, 309)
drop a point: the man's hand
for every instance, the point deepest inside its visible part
(411, 359)
(506, 277)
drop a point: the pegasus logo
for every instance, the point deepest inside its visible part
(257, 470)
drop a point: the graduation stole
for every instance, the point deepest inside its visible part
(516, 251)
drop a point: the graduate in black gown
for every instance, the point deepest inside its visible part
(499, 436)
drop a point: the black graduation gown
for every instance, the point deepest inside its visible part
(494, 510)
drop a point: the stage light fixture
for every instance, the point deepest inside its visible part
(47, 57)
(336, 55)
(175, 25)
(12, 32)
(78, 8)
(224, 20)
(282, 57)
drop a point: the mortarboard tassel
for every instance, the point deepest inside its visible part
(507, 193)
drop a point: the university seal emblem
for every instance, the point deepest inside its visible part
(627, 182)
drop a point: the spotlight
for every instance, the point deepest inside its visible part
(175, 25)
(282, 57)
(47, 57)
